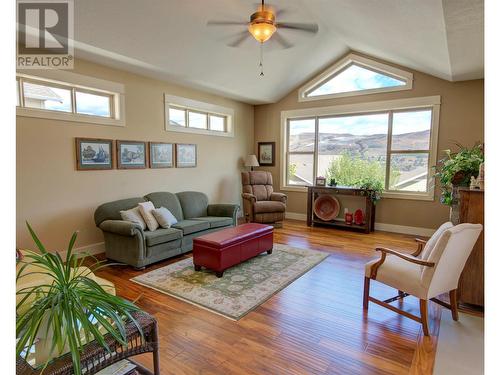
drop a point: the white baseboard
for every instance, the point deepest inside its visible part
(92, 249)
(417, 231)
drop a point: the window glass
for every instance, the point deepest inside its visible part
(355, 78)
(300, 169)
(409, 172)
(197, 120)
(92, 104)
(301, 135)
(411, 130)
(217, 123)
(351, 148)
(177, 116)
(46, 97)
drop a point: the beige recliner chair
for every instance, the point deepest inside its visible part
(432, 270)
(260, 203)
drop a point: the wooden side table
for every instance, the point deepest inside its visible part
(369, 212)
(95, 358)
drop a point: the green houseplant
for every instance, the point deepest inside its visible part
(73, 309)
(457, 168)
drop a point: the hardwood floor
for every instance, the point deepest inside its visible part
(316, 325)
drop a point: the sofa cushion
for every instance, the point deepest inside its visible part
(134, 216)
(216, 221)
(146, 209)
(268, 206)
(193, 203)
(191, 226)
(164, 217)
(167, 200)
(162, 235)
(111, 210)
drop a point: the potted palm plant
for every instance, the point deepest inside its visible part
(455, 170)
(67, 308)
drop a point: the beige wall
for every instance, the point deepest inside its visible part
(461, 120)
(56, 199)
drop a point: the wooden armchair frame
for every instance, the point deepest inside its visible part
(423, 318)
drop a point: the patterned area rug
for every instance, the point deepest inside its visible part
(242, 288)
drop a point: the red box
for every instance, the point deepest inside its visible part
(226, 248)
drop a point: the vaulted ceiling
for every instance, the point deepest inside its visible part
(169, 39)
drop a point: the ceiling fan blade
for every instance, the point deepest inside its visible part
(226, 23)
(282, 41)
(241, 38)
(308, 27)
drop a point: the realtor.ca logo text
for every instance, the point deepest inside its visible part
(45, 34)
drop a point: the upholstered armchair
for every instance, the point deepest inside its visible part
(260, 203)
(432, 270)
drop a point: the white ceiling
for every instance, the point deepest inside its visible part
(169, 39)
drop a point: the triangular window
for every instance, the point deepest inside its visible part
(356, 75)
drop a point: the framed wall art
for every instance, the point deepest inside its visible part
(161, 155)
(131, 154)
(94, 154)
(185, 155)
(266, 153)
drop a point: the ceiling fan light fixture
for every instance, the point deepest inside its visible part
(261, 31)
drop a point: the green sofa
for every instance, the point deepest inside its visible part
(126, 242)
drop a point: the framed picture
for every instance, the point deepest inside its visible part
(131, 154)
(185, 155)
(161, 155)
(266, 153)
(94, 154)
(320, 181)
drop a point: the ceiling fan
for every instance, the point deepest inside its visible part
(263, 26)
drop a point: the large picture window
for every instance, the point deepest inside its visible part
(396, 147)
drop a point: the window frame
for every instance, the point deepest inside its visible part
(208, 109)
(74, 82)
(363, 62)
(400, 105)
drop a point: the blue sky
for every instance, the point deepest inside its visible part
(403, 122)
(86, 103)
(356, 78)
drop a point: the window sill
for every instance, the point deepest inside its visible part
(182, 129)
(389, 195)
(64, 116)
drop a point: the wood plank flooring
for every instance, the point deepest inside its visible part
(316, 325)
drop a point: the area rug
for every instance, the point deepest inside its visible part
(242, 288)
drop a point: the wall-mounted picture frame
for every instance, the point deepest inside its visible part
(94, 154)
(266, 153)
(131, 154)
(161, 155)
(185, 155)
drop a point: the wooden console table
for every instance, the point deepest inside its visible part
(94, 357)
(369, 212)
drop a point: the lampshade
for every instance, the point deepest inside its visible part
(261, 31)
(251, 161)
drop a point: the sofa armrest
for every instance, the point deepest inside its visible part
(226, 210)
(280, 197)
(121, 227)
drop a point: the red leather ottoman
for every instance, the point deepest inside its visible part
(223, 249)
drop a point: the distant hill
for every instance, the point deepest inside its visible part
(367, 146)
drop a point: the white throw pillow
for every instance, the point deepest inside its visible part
(146, 209)
(133, 215)
(164, 217)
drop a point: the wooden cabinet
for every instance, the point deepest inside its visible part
(369, 208)
(471, 284)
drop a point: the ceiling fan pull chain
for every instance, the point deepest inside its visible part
(261, 64)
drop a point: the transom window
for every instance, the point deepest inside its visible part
(395, 147)
(38, 97)
(186, 115)
(356, 75)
